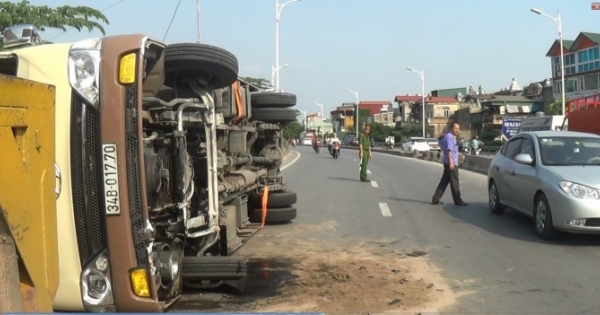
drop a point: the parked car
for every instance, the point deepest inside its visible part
(434, 144)
(551, 176)
(354, 141)
(412, 144)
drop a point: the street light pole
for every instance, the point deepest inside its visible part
(305, 121)
(558, 22)
(198, 18)
(357, 111)
(278, 8)
(320, 105)
(422, 75)
(273, 70)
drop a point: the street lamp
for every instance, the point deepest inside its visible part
(558, 22)
(422, 74)
(273, 70)
(320, 105)
(278, 8)
(357, 112)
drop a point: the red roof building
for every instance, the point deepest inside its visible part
(374, 107)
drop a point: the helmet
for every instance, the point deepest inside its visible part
(334, 135)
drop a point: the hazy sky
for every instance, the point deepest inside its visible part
(362, 45)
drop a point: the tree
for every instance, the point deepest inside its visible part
(555, 108)
(292, 130)
(258, 82)
(43, 17)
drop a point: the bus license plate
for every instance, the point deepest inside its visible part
(110, 171)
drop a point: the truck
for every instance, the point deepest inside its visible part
(28, 235)
(168, 164)
(583, 115)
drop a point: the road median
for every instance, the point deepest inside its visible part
(473, 163)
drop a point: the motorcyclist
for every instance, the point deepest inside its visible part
(332, 141)
(475, 145)
(316, 144)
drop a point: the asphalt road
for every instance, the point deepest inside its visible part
(495, 263)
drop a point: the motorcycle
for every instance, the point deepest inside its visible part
(317, 146)
(335, 150)
(389, 145)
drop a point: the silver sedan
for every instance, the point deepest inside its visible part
(552, 176)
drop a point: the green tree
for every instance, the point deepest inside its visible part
(258, 82)
(555, 108)
(292, 130)
(43, 17)
(412, 129)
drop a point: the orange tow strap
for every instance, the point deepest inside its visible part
(265, 199)
(238, 102)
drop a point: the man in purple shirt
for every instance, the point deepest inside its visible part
(450, 176)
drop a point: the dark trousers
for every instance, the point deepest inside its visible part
(448, 177)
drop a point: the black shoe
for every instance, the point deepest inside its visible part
(437, 203)
(365, 180)
(461, 203)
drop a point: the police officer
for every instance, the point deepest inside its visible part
(364, 152)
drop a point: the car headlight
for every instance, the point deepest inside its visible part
(579, 191)
(84, 69)
(96, 288)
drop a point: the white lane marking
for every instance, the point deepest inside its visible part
(292, 161)
(354, 160)
(369, 172)
(385, 210)
(374, 184)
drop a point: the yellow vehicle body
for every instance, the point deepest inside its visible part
(27, 197)
(48, 64)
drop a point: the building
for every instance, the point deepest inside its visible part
(582, 65)
(343, 117)
(405, 104)
(453, 92)
(439, 112)
(384, 118)
(314, 122)
(494, 109)
(375, 107)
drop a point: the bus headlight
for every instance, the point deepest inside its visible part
(96, 288)
(84, 69)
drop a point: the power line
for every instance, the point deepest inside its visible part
(172, 19)
(110, 6)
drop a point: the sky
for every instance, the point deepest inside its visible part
(364, 45)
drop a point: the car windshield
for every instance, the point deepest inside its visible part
(432, 140)
(565, 151)
(417, 140)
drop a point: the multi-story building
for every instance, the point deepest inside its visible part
(582, 65)
(439, 111)
(343, 116)
(405, 104)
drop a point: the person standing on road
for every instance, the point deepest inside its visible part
(450, 176)
(364, 152)
(475, 145)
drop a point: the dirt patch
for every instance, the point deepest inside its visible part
(338, 279)
(315, 275)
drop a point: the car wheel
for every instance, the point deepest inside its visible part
(542, 215)
(494, 199)
(218, 67)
